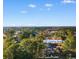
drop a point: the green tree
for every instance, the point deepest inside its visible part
(33, 46)
(70, 42)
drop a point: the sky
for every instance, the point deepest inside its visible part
(39, 13)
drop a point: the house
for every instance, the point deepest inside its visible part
(53, 44)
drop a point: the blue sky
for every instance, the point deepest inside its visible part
(39, 13)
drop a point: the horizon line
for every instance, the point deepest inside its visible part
(39, 26)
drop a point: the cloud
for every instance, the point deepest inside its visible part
(68, 1)
(48, 5)
(23, 12)
(32, 5)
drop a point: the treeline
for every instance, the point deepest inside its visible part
(27, 43)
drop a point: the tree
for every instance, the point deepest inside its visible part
(6, 45)
(70, 42)
(15, 51)
(33, 46)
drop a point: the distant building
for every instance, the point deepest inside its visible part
(18, 32)
(53, 40)
(52, 30)
(4, 36)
